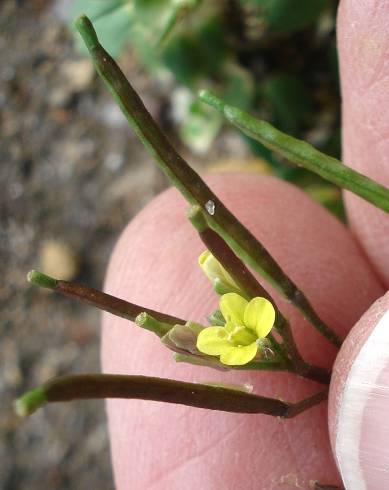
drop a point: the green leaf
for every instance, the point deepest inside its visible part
(96, 9)
(211, 39)
(289, 99)
(286, 16)
(239, 85)
(153, 13)
(160, 17)
(185, 59)
(196, 52)
(113, 20)
(200, 127)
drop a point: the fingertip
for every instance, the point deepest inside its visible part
(317, 252)
(363, 46)
(359, 401)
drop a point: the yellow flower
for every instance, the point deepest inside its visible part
(247, 324)
(216, 273)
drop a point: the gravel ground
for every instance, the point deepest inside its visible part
(71, 175)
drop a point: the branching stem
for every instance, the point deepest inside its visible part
(248, 283)
(189, 183)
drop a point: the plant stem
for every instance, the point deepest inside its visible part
(299, 407)
(30, 402)
(189, 183)
(226, 256)
(302, 368)
(248, 283)
(98, 299)
(99, 386)
(157, 322)
(145, 320)
(302, 153)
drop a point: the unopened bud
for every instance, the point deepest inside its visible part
(216, 319)
(216, 273)
(183, 337)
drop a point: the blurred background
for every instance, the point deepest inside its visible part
(72, 174)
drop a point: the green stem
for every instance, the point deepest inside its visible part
(157, 322)
(302, 153)
(99, 386)
(189, 183)
(248, 283)
(30, 402)
(98, 299)
(145, 320)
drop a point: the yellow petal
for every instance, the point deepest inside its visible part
(238, 356)
(212, 341)
(259, 315)
(232, 307)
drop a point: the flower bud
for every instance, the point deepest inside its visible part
(216, 319)
(183, 338)
(216, 273)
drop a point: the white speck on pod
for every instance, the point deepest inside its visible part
(210, 207)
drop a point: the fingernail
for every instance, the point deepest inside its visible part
(362, 436)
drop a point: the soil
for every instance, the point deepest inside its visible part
(72, 175)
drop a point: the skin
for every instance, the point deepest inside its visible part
(160, 446)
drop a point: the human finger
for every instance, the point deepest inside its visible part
(363, 45)
(168, 446)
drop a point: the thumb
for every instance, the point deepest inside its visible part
(363, 43)
(359, 402)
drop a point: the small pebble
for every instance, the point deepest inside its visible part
(58, 260)
(78, 74)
